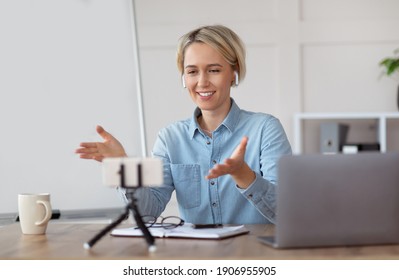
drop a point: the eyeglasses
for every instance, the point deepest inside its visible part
(162, 222)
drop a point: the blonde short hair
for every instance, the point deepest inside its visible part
(223, 39)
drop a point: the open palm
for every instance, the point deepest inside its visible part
(111, 147)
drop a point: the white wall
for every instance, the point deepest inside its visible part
(303, 56)
(342, 43)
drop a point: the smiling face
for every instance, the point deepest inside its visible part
(208, 78)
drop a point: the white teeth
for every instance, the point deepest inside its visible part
(204, 94)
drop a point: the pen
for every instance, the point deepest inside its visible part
(207, 225)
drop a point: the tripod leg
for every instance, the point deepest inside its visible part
(132, 205)
(147, 234)
(97, 237)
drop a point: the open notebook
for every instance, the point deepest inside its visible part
(185, 231)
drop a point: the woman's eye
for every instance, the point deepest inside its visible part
(214, 70)
(191, 72)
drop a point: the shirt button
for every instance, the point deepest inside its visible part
(214, 161)
(212, 183)
(250, 196)
(214, 204)
(208, 142)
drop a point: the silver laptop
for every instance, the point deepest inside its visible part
(337, 200)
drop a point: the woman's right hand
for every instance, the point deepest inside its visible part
(111, 147)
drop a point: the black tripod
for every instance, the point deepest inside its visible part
(131, 205)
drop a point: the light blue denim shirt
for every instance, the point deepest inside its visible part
(188, 154)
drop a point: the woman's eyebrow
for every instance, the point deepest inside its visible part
(209, 65)
(215, 64)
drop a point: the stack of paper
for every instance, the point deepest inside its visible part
(185, 231)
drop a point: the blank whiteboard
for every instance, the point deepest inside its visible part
(65, 66)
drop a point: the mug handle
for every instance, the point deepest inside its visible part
(47, 217)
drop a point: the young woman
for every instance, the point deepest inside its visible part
(222, 162)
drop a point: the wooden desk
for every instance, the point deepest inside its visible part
(65, 241)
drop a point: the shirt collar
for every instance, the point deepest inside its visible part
(229, 122)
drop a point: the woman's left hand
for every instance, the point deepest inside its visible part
(235, 166)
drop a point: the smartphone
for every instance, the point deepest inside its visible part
(207, 225)
(151, 171)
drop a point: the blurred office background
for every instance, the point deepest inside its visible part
(68, 65)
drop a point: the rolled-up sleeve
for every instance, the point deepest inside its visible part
(262, 193)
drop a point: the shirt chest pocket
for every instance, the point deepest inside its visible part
(187, 181)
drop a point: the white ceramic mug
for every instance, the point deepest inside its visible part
(34, 212)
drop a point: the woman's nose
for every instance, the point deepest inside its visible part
(203, 80)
